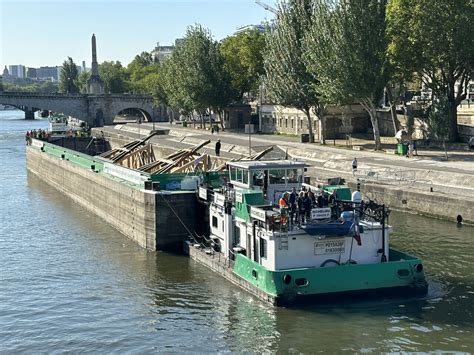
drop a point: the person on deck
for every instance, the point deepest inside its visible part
(284, 205)
(292, 202)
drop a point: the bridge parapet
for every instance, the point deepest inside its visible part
(96, 109)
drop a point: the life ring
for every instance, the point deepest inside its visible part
(330, 262)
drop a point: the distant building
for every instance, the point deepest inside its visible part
(31, 73)
(17, 71)
(162, 52)
(6, 72)
(260, 28)
(51, 73)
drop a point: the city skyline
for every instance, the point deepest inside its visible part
(48, 33)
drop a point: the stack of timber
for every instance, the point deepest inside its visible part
(139, 155)
(132, 155)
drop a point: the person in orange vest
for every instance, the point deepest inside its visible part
(283, 203)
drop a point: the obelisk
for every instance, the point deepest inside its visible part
(95, 85)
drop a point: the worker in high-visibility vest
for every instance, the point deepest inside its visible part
(283, 203)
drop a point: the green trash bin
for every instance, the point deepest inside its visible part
(402, 148)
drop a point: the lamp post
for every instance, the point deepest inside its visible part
(250, 136)
(153, 116)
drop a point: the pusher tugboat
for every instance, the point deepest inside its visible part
(337, 249)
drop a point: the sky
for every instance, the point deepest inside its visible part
(44, 33)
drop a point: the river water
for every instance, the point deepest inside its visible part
(71, 283)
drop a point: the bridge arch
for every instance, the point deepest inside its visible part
(132, 114)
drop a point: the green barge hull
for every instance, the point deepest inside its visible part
(402, 275)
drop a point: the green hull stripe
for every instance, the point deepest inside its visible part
(399, 272)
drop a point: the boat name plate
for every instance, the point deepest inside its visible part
(329, 247)
(320, 213)
(257, 213)
(203, 193)
(219, 199)
(238, 196)
(37, 143)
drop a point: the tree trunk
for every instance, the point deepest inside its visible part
(310, 126)
(393, 109)
(445, 150)
(368, 105)
(322, 124)
(453, 122)
(375, 125)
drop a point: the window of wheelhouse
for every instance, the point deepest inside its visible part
(294, 176)
(239, 175)
(277, 176)
(258, 177)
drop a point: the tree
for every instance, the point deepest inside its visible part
(82, 82)
(115, 77)
(243, 56)
(438, 120)
(434, 40)
(347, 48)
(68, 77)
(288, 80)
(139, 68)
(195, 77)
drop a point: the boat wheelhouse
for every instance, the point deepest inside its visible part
(338, 248)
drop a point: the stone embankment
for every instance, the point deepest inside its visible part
(424, 184)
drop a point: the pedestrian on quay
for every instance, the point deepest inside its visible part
(354, 165)
(218, 147)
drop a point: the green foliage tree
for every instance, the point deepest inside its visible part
(243, 56)
(434, 40)
(68, 77)
(195, 76)
(347, 48)
(115, 77)
(82, 82)
(139, 68)
(438, 120)
(288, 80)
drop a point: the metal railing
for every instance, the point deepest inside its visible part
(388, 175)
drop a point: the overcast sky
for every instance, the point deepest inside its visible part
(44, 33)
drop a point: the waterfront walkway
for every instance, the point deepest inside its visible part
(428, 172)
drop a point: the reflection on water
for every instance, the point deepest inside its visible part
(69, 282)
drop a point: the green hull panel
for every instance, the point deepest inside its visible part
(400, 272)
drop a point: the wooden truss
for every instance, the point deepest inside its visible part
(139, 155)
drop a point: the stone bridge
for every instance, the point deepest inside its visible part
(96, 110)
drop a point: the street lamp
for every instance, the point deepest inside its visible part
(250, 137)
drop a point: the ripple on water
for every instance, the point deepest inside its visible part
(70, 283)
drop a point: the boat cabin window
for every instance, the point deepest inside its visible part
(263, 248)
(239, 175)
(294, 176)
(277, 176)
(258, 176)
(214, 222)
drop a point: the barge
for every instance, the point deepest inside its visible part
(282, 256)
